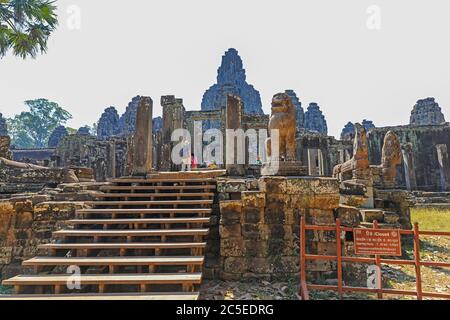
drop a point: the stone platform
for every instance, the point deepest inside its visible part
(285, 168)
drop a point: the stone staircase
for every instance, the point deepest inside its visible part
(143, 239)
(432, 199)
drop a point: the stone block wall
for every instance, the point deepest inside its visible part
(5, 142)
(259, 231)
(25, 223)
(257, 226)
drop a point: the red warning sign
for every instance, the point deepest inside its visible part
(385, 242)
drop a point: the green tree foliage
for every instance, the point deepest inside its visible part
(31, 129)
(71, 130)
(25, 26)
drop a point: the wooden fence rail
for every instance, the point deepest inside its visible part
(377, 260)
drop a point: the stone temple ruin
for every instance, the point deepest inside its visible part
(116, 203)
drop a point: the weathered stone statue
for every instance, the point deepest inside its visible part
(358, 166)
(384, 175)
(355, 174)
(391, 157)
(283, 119)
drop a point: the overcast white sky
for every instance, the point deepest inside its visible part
(321, 49)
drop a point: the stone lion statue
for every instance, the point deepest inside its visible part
(283, 118)
(358, 166)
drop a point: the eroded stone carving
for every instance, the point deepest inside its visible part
(108, 125)
(283, 119)
(358, 166)
(231, 79)
(426, 112)
(315, 120)
(391, 157)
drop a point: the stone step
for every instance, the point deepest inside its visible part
(154, 195)
(150, 211)
(380, 225)
(149, 203)
(433, 200)
(59, 281)
(126, 245)
(157, 188)
(193, 174)
(159, 221)
(130, 233)
(420, 194)
(115, 261)
(162, 180)
(107, 296)
(369, 215)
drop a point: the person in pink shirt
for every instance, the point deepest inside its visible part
(193, 161)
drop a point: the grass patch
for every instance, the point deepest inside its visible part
(431, 219)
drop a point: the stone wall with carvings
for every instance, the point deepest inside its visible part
(424, 141)
(105, 158)
(426, 112)
(231, 79)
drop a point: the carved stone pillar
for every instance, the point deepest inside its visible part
(173, 118)
(234, 148)
(142, 140)
(409, 167)
(312, 162)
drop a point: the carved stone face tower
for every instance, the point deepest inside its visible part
(231, 79)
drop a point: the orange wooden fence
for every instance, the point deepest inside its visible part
(376, 259)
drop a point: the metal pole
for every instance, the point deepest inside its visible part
(303, 258)
(339, 257)
(378, 264)
(417, 261)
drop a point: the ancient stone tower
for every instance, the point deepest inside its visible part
(57, 135)
(426, 112)
(315, 120)
(127, 122)
(84, 131)
(3, 126)
(300, 114)
(348, 132)
(108, 125)
(368, 124)
(231, 79)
